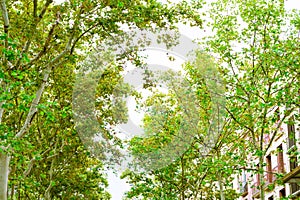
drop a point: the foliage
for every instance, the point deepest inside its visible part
(41, 45)
(257, 43)
(193, 147)
(181, 117)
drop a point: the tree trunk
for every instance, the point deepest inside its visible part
(261, 178)
(4, 170)
(221, 187)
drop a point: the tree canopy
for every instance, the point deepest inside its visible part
(198, 135)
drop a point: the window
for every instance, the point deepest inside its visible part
(282, 193)
(269, 168)
(244, 184)
(291, 133)
(257, 175)
(280, 162)
(271, 198)
(292, 143)
(293, 163)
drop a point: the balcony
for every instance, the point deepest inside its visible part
(293, 178)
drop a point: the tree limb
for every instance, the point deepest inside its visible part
(36, 100)
(31, 163)
(277, 128)
(34, 8)
(47, 192)
(37, 20)
(46, 45)
(4, 16)
(6, 26)
(81, 35)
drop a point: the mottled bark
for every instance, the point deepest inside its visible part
(4, 170)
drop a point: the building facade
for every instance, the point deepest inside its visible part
(281, 170)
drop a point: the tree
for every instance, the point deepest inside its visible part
(262, 74)
(51, 162)
(178, 157)
(39, 45)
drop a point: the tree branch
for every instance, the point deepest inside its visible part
(242, 125)
(6, 26)
(36, 100)
(34, 25)
(277, 128)
(34, 8)
(3, 85)
(4, 16)
(1, 109)
(81, 35)
(45, 47)
(31, 163)
(48, 2)
(47, 192)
